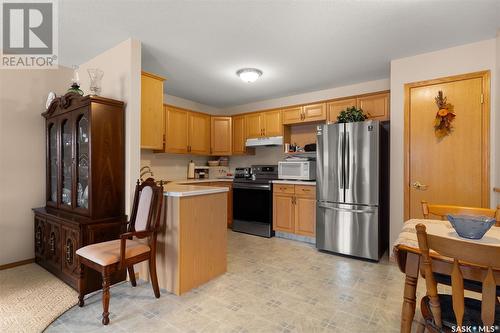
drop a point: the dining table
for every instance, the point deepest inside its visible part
(407, 255)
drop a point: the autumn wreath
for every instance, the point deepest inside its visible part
(444, 116)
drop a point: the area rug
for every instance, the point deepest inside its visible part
(31, 298)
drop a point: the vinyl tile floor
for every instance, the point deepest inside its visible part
(272, 285)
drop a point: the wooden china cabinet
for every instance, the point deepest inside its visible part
(85, 184)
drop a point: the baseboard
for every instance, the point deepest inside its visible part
(17, 263)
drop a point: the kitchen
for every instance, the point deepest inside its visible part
(271, 156)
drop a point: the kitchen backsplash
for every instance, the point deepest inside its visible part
(173, 166)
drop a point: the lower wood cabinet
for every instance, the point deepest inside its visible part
(294, 209)
(59, 235)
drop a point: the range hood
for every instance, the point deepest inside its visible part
(270, 141)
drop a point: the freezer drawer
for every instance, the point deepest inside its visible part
(348, 229)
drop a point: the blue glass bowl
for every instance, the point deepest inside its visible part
(471, 227)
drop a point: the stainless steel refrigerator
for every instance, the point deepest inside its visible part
(350, 217)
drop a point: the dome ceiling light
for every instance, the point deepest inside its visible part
(249, 75)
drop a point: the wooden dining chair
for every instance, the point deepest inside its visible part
(109, 257)
(444, 313)
(441, 211)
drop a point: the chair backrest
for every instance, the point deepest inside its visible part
(442, 210)
(146, 209)
(472, 256)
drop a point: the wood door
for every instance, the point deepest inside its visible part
(334, 108)
(273, 124)
(314, 112)
(152, 114)
(453, 170)
(292, 115)
(69, 244)
(239, 137)
(176, 128)
(305, 215)
(220, 132)
(283, 212)
(40, 237)
(53, 244)
(199, 133)
(254, 125)
(375, 106)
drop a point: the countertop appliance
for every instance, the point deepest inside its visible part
(352, 172)
(201, 172)
(253, 200)
(297, 169)
(268, 141)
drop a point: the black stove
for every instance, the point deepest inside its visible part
(252, 200)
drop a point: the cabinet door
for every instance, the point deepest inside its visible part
(53, 244)
(82, 167)
(292, 115)
(254, 125)
(314, 112)
(52, 166)
(176, 128)
(283, 212)
(334, 108)
(305, 216)
(199, 133)
(66, 163)
(152, 114)
(69, 244)
(220, 133)
(40, 237)
(239, 137)
(375, 106)
(273, 124)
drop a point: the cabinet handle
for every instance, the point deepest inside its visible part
(52, 243)
(69, 251)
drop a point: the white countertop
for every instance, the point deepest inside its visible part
(204, 180)
(174, 189)
(295, 182)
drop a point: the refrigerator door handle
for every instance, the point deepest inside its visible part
(329, 206)
(341, 170)
(347, 162)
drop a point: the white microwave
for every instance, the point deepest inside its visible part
(297, 170)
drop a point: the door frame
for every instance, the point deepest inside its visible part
(485, 127)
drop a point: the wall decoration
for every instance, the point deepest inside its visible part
(444, 116)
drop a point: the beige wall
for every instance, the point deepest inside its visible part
(169, 166)
(23, 94)
(187, 104)
(452, 61)
(122, 81)
(314, 96)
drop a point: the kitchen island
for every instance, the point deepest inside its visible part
(192, 242)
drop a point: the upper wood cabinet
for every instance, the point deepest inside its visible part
(239, 137)
(334, 108)
(376, 106)
(264, 124)
(176, 128)
(199, 133)
(152, 114)
(304, 114)
(221, 133)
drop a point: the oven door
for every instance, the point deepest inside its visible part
(252, 209)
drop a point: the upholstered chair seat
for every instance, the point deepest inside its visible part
(108, 253)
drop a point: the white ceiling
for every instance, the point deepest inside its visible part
(301, 46)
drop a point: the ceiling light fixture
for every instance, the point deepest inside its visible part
(249, 75)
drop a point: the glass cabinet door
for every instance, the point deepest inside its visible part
(67, 165)
(82, 160)
(52, 167)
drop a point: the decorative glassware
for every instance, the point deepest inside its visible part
(95, 80)
(472, 227)
(75, 82)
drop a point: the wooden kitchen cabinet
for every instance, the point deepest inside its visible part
(264, 124)
(294, 209)
(283, 212)
(335, 107)
(176, 130)
(375, 106)
(152, 113)
(304, 114)
(221, 136)
(199, 133)
(292, 115)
